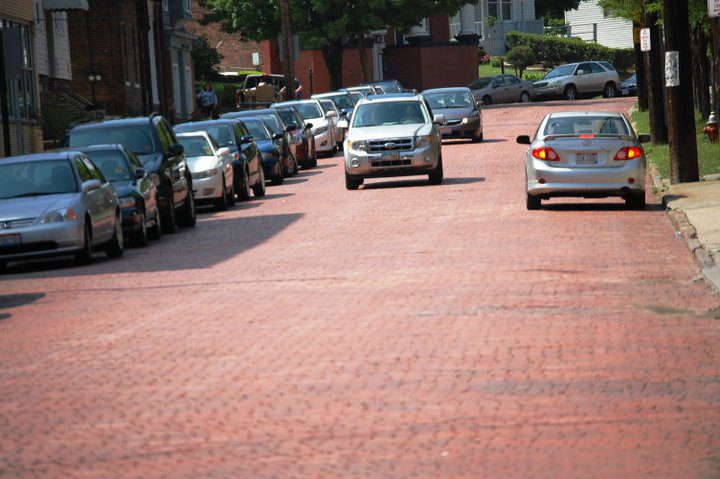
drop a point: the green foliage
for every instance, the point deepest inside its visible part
(555, 27)
(496, 62)
(554, 8)
(533, 76)
(520, 57)
(556, 50)
(205, 58)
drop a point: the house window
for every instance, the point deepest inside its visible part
(500, 9)
(19, 68)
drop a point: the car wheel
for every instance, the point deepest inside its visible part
(570, 92)
(636, 201)
(244, 187)
(231, 196)
(169, 225)
(351, 183)
(156, 231)
(477, 138)
(189, 215)
(525, 97)
(487, 100)
(116, 246)
(436, 175)
(610, 91)
(141, 236)
(259, 187)
(532, 202)
(84, 256)
(221, 202)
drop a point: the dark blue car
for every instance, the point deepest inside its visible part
(270, 145)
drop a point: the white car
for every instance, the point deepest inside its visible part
(569, 81)
(330, 106)
(323, 127)
(585, 154)
(392, 135)
(211, 168)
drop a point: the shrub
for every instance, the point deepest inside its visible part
(496, 62)
(520, 57)
(553, 51)
(532, 76)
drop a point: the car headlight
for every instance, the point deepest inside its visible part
(361, 145)
(127, 202)
(421, 141)
(155, 179)
(58, 216)
(205, 174)
(321, 130)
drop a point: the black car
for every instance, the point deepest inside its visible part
(273, 120)
(302, 136)
(246, 157)
(270, 145)
(136, 191)
(153, 141)
(629, 86)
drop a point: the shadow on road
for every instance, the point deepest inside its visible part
(421, 182)
(323, 167)
(596, 207)
(292, 181)
(9, 301)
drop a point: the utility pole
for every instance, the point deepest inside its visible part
(287, 40)
(655, 86)
(716, 62)
(640, 69)
(4, 100)
(678, 84)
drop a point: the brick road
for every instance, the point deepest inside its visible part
(397, 331)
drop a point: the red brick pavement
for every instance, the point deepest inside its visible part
(398, 331)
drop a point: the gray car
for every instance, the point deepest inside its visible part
(502, 89)
(55, 204)
(585, 78)
(463, 118)
(585, 154)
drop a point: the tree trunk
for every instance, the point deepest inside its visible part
(363, 57)
(654, 79)
(701, 73)
(333, 56)
(288, 44)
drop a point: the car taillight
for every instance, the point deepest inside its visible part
(545, 153)
(628, 153)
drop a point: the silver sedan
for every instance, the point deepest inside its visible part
(54, 204)
(585, 154)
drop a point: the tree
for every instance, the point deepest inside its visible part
(205, 58)
(554, 8)
(520, 57)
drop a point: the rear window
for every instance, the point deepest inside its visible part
(587, 125)
(137, 139)
(112, 165)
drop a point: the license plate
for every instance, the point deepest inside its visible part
(445, 131)
(586, 158)
(391, 156)
(625, 91)
(9, 240)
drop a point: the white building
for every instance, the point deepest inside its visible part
(593, 23)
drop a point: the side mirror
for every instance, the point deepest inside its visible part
(439, 119)
(343, 124)
(291, 127)
(176, 149)
(308, 125)
(91, 185)
(140, 173)
(523, 140)
(224, 151)
(644, 138)
(246, 139)
(330, 114)
(277, 136)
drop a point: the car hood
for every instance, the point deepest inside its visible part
(454, 113)
(32, 207)
(151, 162)
(395, 131)
(201, 163)
(629, 83)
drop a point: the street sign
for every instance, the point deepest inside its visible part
(713, 8)
(672, 69)
(645, 40)
(256, 58)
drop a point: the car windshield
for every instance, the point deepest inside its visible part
(112, 164)
(449, 99)
(483, 82)
(36, 178)
(272, 122)
(586, 125)
(288, 117)
(195, 146)
(327, 105)
(222, 134)
(256, 130)
(137, 139)
(309, 110)
(561, 71)
(390, 113)
(341, 100)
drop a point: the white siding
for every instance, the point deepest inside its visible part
(611, 31)
(523, 10)
(63, 68)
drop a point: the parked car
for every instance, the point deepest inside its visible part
(392, 136)
(387, 86)
(586, 78)
(360, 92)
(329, 106)
(56, 203)
(154, 142)
(585, 154)
(270, 145)
(323, 128)
(302, 137)
(343, 101)
(502, 89)
(136, 191)
(211, 168)
(272, 119)
(629, 86)
(246, 159)
(463, 118)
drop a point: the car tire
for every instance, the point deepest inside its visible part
(141, 237)
(477, 138)
(231, 196)
(84, 256)
(351, 183)
(636, 201)
(525, 97)
(487, 100)
(610, 91)
(156, 231)
(532, 202)
(189, 215)
(169, 225)
(570, 92)
(221, 202)
(436, 175)
(259, 187)
(244, 194)
(313, 160)
(116, 246)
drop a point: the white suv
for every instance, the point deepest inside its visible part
(569, 81)
(392, 135)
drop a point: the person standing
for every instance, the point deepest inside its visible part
(208, 100)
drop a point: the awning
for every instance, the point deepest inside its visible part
(65, 5)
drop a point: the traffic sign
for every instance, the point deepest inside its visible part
(256, 58)
(713, 8)
(645, 40)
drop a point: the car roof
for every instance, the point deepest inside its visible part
(447, 90)
(202, 133)
(48, 155)
(244, 113)
(293, 102)
(329, 94)
(137, 120)
(571, 114)
(395, 96)
(101, 147)
(200, 124)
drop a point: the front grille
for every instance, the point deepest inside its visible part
(453, 122)
(386, 163)
(392, 144)
(10, 224)
(541, 84)
(29, 248)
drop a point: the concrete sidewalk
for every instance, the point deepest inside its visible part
(695, 210)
